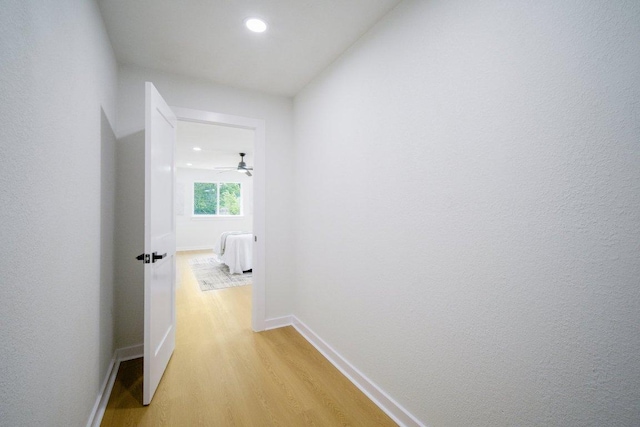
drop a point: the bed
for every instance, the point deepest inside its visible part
(235, 249)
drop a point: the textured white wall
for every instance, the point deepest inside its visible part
(194, 232)
(200, 95)
(57, 86)
(468, 210)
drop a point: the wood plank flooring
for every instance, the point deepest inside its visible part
(224, 374)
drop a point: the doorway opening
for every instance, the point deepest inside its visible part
(220, 199)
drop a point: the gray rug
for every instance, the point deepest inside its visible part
(212, 274)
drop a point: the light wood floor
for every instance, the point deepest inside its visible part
(224, 374)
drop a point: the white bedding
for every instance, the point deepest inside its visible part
(238, 252)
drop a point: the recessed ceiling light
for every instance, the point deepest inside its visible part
(256, 25)
(197, 149)
(189, 164)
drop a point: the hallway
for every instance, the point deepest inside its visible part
(223, 374)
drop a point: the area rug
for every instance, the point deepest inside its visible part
(212, 275)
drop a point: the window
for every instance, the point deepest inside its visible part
(217, 198)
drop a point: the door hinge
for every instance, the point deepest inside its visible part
(144, 257)
(255, 238)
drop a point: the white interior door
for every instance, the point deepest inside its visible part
(160, 240)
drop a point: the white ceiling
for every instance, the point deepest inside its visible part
(207, 39)
(220, 145)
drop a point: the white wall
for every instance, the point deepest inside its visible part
(203, 232)
(468, 210)
(200, 95)
(57, 86)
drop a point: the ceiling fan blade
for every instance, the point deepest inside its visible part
(248, 173)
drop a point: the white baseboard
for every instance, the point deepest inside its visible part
(95, 417)
(278, 322)
(368, 387)
(120, 355)
(130, 353)
(194, 248)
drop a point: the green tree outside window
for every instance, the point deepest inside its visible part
(217, 198)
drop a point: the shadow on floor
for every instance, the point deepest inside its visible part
(129, 382)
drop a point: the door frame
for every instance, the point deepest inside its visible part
(258, 291)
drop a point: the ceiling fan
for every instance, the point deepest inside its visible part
(242, 167)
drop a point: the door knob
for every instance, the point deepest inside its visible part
(155, 256)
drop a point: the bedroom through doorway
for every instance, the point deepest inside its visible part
(215, 212)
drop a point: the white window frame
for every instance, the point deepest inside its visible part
(194, 215)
